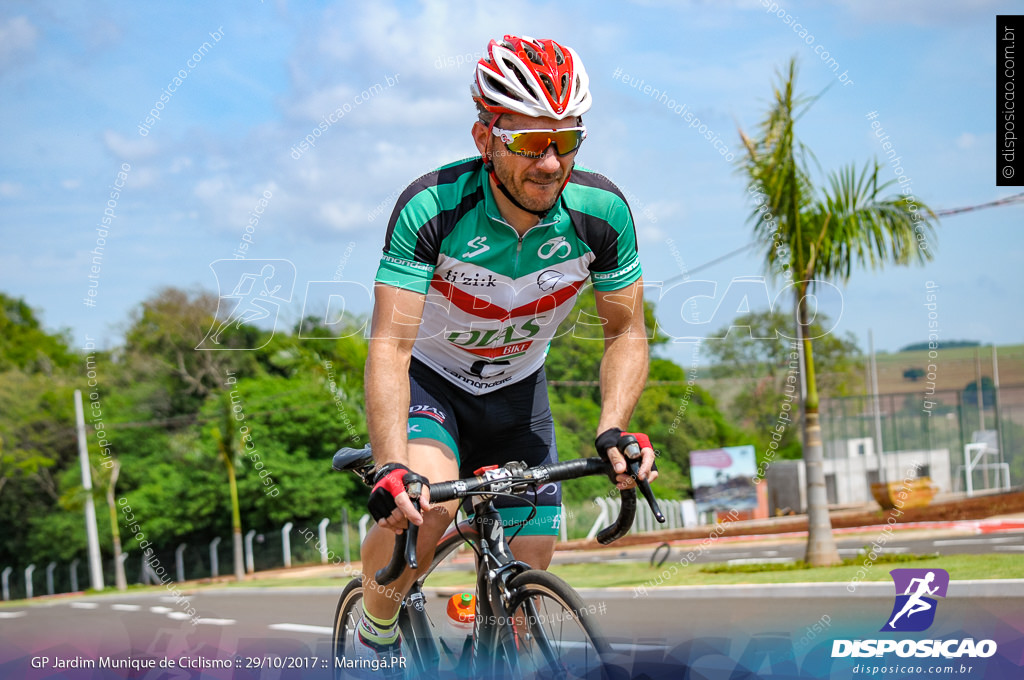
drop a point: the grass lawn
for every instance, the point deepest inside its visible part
(960, 567)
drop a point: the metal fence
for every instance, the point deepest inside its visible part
(924, 421)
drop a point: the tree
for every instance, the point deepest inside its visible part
(113, 472)
(160, 343)
(913, 374)
(224, 434)
(25, 345)
(810, 234)
(988, 392)
(765, 348)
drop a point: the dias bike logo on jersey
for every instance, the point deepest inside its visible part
(511, 340)
(914, 611)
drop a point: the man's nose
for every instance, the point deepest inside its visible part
(549, 162)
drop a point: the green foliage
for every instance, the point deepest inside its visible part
(280, 410)
(25, 346)
(988, 392)
(765, 348)
(758, 567)
(941, 344)
(913, 374)
(678, 417)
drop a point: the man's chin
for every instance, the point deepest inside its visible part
(540, 200)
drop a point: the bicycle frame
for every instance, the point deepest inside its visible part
(492, 628)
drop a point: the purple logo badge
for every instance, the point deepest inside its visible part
(914, 609)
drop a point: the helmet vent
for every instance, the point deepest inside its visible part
(548, 85)
(559, 57)
(532, 55)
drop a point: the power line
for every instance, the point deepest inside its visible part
(991, 204)
(1009, 200)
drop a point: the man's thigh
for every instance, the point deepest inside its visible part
(534, 550)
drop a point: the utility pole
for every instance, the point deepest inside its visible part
(91, 533)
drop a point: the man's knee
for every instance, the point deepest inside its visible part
(536, 551)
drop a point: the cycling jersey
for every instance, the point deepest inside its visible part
(494, 299)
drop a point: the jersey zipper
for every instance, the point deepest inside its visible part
(519, 249)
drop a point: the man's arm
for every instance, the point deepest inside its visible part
(623, 368)
(396, 320)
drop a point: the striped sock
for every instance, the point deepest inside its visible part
(380, 631)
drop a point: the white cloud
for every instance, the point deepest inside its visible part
(126, 148)
(10, 189)
(180, 164)
(966, 141)
(342, 215)
(319, 103)
(17, 38)
(71, 184)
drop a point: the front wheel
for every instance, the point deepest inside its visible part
(350, 610)
(346, 617)
(556, 633)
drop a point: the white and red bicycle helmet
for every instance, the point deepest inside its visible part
(533, 78)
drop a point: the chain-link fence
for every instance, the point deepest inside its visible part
(929, 422)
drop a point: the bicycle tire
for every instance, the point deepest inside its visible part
(346, 617)
(349, 608)
(551, 649)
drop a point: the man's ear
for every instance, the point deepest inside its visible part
(479, 133)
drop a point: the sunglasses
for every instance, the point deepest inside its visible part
(535, 143)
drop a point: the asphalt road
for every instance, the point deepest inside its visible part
(258, 632)
(254, 629)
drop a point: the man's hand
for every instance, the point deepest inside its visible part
(607, 444)
(390, 502)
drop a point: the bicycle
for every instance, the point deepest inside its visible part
(522, 614)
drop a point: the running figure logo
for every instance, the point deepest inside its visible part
(913, 610)
(260, 288)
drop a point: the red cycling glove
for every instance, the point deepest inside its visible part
(390, 481)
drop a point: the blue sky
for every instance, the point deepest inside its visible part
(78, 80)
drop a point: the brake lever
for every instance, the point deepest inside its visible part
(405, 545)
(630, 449)
(645, 488)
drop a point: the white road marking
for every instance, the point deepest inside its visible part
(216, 622)
(126, 607)
(11, 615)
(178, 616)
(160, 610)
(1010, 547)
(84, 605)
(977, 541)
(302, 628)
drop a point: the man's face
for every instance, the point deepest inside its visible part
(535, 182)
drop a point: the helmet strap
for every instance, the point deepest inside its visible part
(489, 167)
(508, 194)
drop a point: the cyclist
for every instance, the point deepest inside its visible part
(483, 258)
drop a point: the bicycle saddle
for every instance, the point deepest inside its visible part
(352, 459)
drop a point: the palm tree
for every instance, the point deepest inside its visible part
(119, 578)
(810, 235)
(225, 435)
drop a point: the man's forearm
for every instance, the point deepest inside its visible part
(623, 374)
(387, 402)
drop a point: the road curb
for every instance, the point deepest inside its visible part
(1001, 588)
